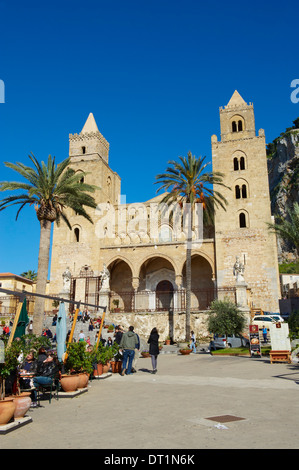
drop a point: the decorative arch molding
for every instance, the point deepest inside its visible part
(76, 233)
(203, 255)
(243, 220)
(121, 258)
(242, 186)
(237, 123)
(82, 179)
(158, 255)
(239, 159)
(163, 274)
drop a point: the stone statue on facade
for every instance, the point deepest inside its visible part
(66, 276)
(239, 270)
(105, 278)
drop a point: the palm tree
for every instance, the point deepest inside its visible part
(188, 181)
(288, 228)
(29, 275)
(51, 189)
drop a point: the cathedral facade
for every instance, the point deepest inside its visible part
(132, 259)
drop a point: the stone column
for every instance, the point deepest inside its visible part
(241, 296)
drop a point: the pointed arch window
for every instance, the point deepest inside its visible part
(237, 192)
(240, 125)
(234, 126)
(236, 164)
(242, 163)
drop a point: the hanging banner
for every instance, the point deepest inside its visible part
(254, 339)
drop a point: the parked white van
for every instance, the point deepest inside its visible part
(265, 320)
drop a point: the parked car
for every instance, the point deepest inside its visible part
(264, 320)
(232, 341)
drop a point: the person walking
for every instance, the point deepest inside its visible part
(193, 342)
(128, 344)
(136, 355)
(153, 342)
(265, 333)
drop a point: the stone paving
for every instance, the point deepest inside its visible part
(173, 409)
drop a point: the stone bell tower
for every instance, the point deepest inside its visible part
(242, 230)
(81, 246)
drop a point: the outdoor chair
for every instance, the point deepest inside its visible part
(54, 386)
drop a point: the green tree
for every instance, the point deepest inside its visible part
(288, 228)
(293, 322)
(32, 275)
(225, 318)
(51, 189)
(188, 181)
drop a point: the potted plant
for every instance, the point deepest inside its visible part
(167, 341)
(116, 303)
(78, 366)
(55, 304)
(102, 358)
(185, 350)
(116, 361)
(145, 353)
(8, 368)
(110, 328)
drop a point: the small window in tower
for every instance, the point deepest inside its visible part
(237, 192)
(82, 180)
(234, 126)
(77, 234)
(236, 164)
(242, 220)
(242, 163)
(240, 126)
(244, 191)
(83, 150)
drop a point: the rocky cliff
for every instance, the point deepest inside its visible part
(283, 169)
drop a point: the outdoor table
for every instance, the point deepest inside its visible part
(28, 375)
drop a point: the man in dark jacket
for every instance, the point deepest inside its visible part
(118, 334)
(46, 372)
(129, 342)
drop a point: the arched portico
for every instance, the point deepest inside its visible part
(121, 288)
(202, 282)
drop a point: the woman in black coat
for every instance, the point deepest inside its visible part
(154, 348)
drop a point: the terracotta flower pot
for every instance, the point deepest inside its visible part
(145, 354)
(116, 366)
(23, 403)
(83, 380)
(99, 369)
(106, 367)
(185, 351)
(7, 409)
(167, 342)
(69, 383)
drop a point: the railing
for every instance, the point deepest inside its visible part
(143, 301)
(163, 301)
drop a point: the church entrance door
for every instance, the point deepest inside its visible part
(164, 295)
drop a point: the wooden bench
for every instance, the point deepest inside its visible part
(280, 356)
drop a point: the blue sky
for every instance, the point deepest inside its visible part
(153, 73)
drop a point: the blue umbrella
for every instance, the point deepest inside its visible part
(61, 331)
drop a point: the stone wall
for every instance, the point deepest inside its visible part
(167, 324)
